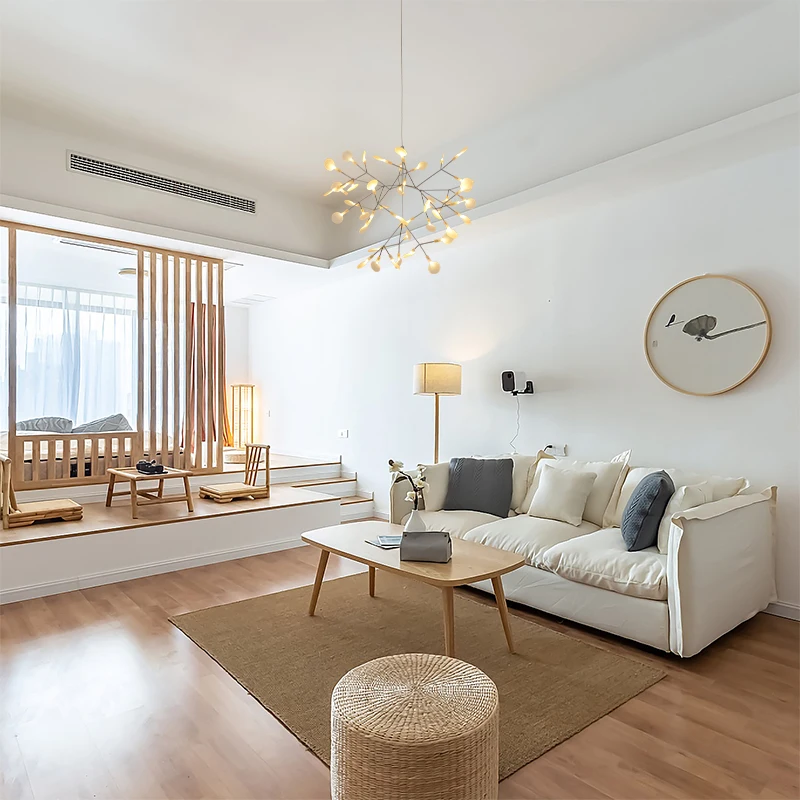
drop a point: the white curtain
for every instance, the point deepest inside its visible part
(75, 354)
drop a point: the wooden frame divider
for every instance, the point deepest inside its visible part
(180, 393)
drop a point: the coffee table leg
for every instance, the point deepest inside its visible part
(500, 596)
(449, 622)
(110, 493)
(188, 489)
(372, 581)
(323, 562)
(134, 495)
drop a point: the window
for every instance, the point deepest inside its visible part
(75, 353)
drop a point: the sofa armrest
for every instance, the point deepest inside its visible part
(720, 568)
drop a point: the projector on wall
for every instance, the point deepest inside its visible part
(515, 382)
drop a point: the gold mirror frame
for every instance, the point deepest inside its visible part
(758, 363)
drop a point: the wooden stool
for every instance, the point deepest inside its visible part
(414, 727)
(248, 490)
(17, 515)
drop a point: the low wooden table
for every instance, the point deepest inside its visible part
(151, 495)
(471, 562)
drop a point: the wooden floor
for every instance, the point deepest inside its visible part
(101, 697)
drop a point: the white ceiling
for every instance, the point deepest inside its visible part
(269, 89)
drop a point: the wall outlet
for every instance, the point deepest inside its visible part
(556, 449)
(343, 433)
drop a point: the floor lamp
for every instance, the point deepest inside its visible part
(437, 379)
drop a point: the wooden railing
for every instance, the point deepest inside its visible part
(45, 460)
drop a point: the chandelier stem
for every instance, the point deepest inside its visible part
(402, 143)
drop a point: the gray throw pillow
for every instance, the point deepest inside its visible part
(642, 515)
(480, 484)
(116, 422)
(46, 424)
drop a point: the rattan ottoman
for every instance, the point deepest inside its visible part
(414, 727)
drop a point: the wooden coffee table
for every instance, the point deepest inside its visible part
(150, 495)
(471, 562)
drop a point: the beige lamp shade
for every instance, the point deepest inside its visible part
(433, 378)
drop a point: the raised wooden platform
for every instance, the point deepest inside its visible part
(107, 546)
(99, 519)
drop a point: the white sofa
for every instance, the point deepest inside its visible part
(716, 572)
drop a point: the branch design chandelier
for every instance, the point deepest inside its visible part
(438, 207)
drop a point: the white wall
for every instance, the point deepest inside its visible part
(566, 300)
(237, 345)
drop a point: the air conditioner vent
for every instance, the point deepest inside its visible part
(116, 172)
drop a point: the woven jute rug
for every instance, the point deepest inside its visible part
(549, 690)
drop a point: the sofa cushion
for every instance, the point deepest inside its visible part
(562, 494)
(522, 475)
(720, 487)
(527, 536)
(115, 422)
(601, 559)
(480, 484)
(642, 515)
(436, 478)
(46, 424)
(686, 497)
(456, 523)
(610, 475)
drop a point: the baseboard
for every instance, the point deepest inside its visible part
(786, 610)
(142, 571)
(381, 515)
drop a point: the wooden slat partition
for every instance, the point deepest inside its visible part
(164, 370)
(152, 372)
(16, 467)
(189, 405)
(209, 365)
(180, 376)
(139, 449)
(220, 367)
(177, 453)
(200, 386)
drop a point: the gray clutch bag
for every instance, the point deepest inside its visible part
(433, 546)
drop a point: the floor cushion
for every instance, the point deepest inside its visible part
(456, 523)
(601, 559)
(527, 536)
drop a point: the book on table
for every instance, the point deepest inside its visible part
(388, 542)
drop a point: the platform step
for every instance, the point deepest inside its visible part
(356, 507)
(348, 501)
(321, 482)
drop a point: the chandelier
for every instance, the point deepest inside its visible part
(435, 206)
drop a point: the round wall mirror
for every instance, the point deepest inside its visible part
(707, 335)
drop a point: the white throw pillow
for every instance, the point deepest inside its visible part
(610, 475)
(562, 494)
(437, 476)
(533, 481)
(684, 498)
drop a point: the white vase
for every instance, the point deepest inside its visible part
(415, 523)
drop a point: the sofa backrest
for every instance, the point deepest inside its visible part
(720, 487)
